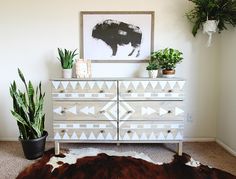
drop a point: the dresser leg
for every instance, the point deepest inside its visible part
(180, 148)
(57, 148)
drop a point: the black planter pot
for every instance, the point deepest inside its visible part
(34, 148)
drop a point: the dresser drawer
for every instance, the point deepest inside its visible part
(86, 110)
(151, 90)
(84, 90)
(85, 130)
(151, 110)
(152, 131)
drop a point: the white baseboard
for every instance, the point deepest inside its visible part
(16, 139)
(205, 139)
(226, 147)
(9, 139)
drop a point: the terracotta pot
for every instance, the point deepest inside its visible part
(168, 73)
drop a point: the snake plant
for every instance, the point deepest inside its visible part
(28, 109)
(66, 58)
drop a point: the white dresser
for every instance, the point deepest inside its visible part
(118, 110)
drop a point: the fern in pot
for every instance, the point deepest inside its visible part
(66, 57)
(167, 59)
(152, 68)
(212, 16)
(28, 112)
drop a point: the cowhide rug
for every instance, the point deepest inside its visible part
(92, 164)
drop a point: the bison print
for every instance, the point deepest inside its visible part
(115, 33)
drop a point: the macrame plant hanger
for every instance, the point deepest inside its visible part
(210, 27)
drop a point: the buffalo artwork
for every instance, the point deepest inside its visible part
(115, 33)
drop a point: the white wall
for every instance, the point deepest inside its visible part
(31, 31)
(226, 125)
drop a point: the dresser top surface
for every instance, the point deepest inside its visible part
(118, 79)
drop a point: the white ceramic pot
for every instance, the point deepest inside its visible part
(67, 73)
(210, 26)
(152, 73)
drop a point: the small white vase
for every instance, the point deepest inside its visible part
(67, 73)
(152, 73)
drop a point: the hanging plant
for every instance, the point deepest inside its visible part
(212, 15)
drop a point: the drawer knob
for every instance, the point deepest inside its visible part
(129, 131)
(102, 111)
(101, 91)
(169, 131)
(129, 112)
(170, 91)
(129, 91)
(63, 131)
(61, 91)
(102, 131)
(169, 111)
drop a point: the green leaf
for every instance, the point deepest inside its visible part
(28, 109)
(66, 58)
(222, 10)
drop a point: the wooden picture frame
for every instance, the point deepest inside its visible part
(119, 36)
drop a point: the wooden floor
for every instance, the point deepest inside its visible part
(12, 160)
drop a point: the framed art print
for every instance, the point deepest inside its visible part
(117, 36)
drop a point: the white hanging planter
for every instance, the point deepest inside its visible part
(67, 73)
(210, 27)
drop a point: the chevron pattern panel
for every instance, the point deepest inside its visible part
(70, 110)
(151, 90)
(98, 90)
(152, 131)
(151, 110)
(85, 131)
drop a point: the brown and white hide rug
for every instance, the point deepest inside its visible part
(90, 163)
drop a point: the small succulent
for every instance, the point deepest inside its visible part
(152, 65)
(66, 57)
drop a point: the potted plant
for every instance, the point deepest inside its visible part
(212, 15)
(28, 112)
(152, 68)
(167, 59)
(66, 57)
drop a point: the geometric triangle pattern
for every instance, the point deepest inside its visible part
(152, 132)
(152, 90)
(151, 110)
(85, 110)
(153, 135)
(148, 84)
(86, 135)
(98, 90)
(84, 131)
(88, 85)
(147, 110)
